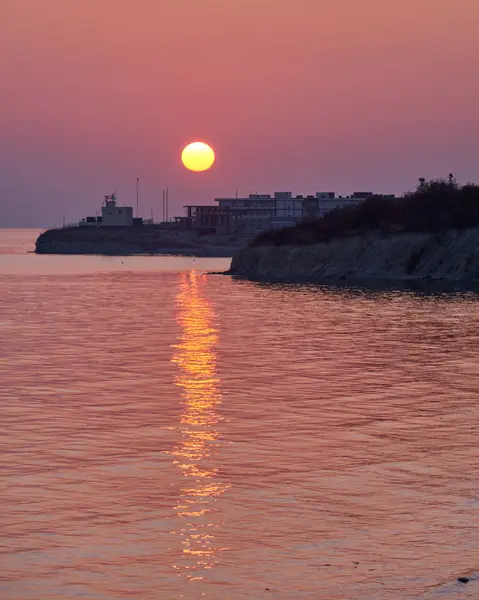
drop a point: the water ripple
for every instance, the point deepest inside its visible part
(169, 434)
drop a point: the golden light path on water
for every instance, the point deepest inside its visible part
(195, 358)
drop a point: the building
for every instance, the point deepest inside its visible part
(205, 218)
(111, 215)
(248, 215)
(117, 216)
(324, 202)
(289, 209)
(259, 212)
(233, 215)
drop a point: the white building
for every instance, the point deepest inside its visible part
(288, 207)
(259, 212)
(111, 215)
(324, 202)
(248, 215)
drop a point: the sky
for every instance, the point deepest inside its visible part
(294, 95)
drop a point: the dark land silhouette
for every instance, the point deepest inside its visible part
(433, 207)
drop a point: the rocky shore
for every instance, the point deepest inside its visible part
(450, 256)
(133, 240)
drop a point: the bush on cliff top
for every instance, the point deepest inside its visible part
(435, 206)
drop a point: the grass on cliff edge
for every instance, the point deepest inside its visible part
(434, 207)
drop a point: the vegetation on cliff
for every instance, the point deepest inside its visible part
(434, 207)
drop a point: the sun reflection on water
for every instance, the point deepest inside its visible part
(195, 358)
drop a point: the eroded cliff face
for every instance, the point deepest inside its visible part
(452, 256)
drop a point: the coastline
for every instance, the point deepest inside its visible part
(141, 240)
(452, 256)
(120, 250)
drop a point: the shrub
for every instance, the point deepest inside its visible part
(434, 206)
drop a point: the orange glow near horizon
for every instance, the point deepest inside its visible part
(93, 97)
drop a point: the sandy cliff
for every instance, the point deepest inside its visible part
(452, 256)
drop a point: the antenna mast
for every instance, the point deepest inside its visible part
(137, 194)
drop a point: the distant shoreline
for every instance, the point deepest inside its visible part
(200, 252)
(142, 240)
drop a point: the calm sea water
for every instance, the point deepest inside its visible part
(172, 434)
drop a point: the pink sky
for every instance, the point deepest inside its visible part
(302, 95)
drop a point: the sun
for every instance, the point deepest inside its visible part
(198, 156)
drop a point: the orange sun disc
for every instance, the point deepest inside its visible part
(198, 156)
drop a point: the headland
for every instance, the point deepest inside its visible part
(114, 231)
(218, 229)
(429, 234)
(141, 239)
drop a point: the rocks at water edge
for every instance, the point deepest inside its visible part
(452, 255)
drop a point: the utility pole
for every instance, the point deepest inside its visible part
(137, 195)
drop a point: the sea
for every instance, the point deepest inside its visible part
(168, 433)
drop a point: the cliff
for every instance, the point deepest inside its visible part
(452, 256)
(143, 239)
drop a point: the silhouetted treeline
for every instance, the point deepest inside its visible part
(435, 206)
